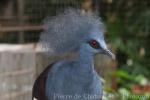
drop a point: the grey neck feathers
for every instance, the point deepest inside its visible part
(85, 63)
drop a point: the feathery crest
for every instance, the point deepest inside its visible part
(65, 32)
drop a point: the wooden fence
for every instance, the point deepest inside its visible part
(18, 21)
(20, 28)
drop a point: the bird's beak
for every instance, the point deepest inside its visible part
(110, 54)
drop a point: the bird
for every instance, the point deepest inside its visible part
(72, 31)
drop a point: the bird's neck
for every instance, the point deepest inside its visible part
(85, 61)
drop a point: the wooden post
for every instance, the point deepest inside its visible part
(87, 5)
(20, 4)
(91, 5)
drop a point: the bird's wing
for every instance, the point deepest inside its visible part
(38, 92)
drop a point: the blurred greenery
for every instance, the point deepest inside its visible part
(128, 24)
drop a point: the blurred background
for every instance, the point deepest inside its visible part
(128, 35)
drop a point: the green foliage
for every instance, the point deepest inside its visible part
(128, 31)
(128, 24)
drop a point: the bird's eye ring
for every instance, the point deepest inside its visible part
(94, 44)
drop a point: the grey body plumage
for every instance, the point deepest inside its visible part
(82, 33)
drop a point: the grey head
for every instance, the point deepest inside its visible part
(72, 31)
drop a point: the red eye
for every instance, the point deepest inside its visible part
(94, 44)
